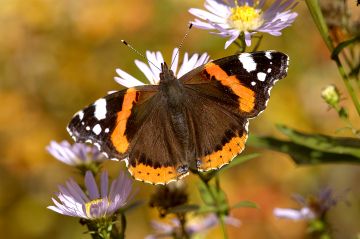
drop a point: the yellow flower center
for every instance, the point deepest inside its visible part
(245, 18)
(89, 205)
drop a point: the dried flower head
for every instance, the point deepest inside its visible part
(169, 196)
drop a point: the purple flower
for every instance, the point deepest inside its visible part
(94, 204)
(194, 226)
(152, 72)
(231, 18)
(76, 154)
(311, 208)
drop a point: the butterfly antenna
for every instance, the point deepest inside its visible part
(181, 43)
(139, 53)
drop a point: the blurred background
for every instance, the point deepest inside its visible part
(58, 56)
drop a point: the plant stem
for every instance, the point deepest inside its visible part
(182, 220)
(219, 212)
(123, 225)
(348, 84)
(315, 11)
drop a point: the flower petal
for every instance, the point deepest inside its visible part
(104, 184)
(145, 69)
(91, 185)
(126, 80)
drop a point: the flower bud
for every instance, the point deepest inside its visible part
(331, 95)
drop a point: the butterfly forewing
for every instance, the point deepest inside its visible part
(245, 80)
(104, 122)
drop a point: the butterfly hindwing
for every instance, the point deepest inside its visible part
(218, 133)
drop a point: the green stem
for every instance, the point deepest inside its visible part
(123, 225)
(315, 11)
(348, 85)
(219, 212)
(223, 226)
(182, 220)
(257, 43)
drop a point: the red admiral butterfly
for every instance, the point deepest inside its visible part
(197, 121)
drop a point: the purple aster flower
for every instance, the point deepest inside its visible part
(311, 208)
(94, 204)
(76, 154)
(194, 226)
(231, 18)
(152, 73)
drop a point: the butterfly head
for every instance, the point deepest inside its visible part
(166, 74)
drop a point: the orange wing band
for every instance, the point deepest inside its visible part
(118, 137)
(161, 175)
(224, 156)
(245, 94)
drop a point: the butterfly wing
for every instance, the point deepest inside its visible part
(133, 124)
(224, 94)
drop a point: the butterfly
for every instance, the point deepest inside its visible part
(199, 121)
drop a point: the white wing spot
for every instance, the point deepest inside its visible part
(81, 115)
(269, 70)
(253, 83)
(97, 129)
(261, 76)
(87, 128)
(268, 55)
(247, 61)
(107, 130)
(100, 109)
(83, 123)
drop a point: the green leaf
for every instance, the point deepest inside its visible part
(207, 209)
(343, 45)
(245, 204)
(184, 208)
(239, 160)
(301, 154)
(339, 145)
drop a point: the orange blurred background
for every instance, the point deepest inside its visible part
(58, 56)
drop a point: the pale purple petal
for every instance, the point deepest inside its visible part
(218, 8)
(287, 213)
(76, 154)
(73, 202)
(232, 39)
(247, 38)
(76, 191)
(104, 184)
(202, 25)
(91, 186)
(217, 16)
(206, 15)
